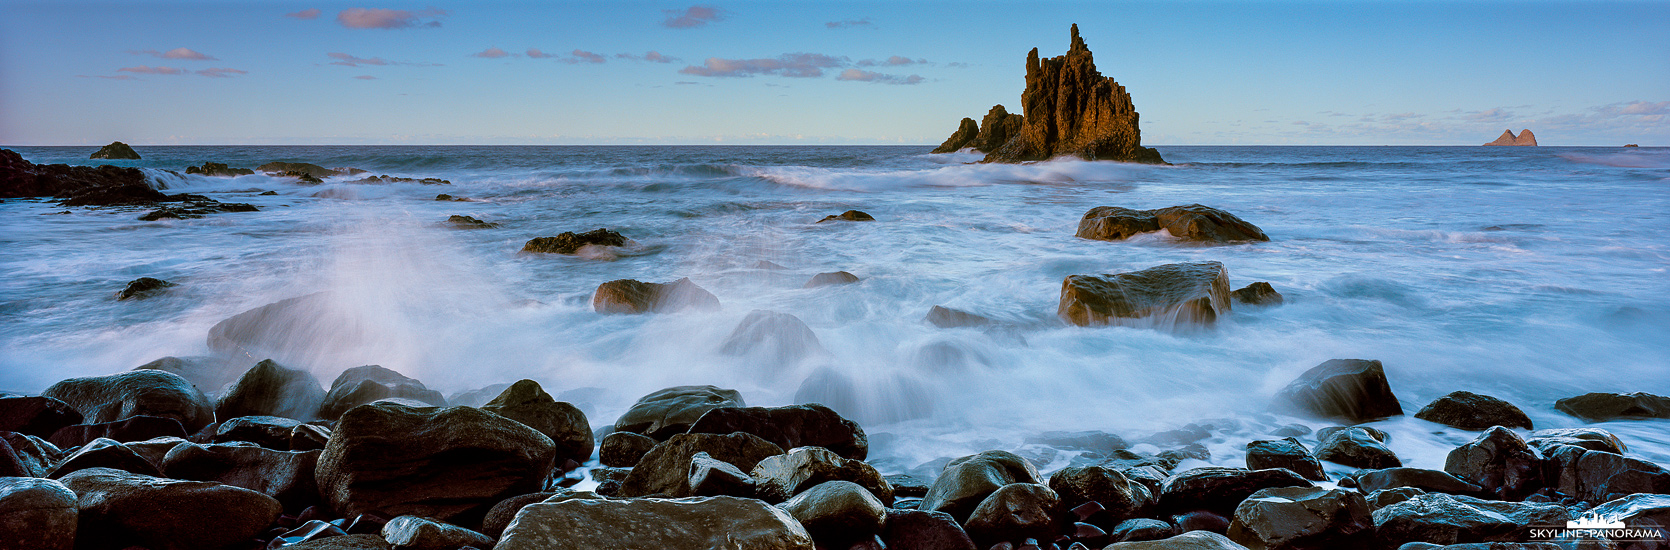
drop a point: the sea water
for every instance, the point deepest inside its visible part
(1528, 274)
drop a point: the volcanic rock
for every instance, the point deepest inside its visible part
(215, 169)
(37, 514)
(143, 287)
(142, 392)
(1293, 518)
(779, 338)
(360, 385)
(1600, 407)
(38, 416)
(848, 216)
(1358, 448)
(121, 509)
(570, 242)
(673, 524)
(1257, 294)
(837, 513)
(416, 533)
(1471, 411)
(1450, 519)
(1218, 490)
(923, 530)
(631, 296)
(671, 411)
(271, 389)
(1286, 453)
(284, 475)
(966, 131)
(1525, 138)
(780, 477)
(1352, 389)
(1167, 296)
(567, 427)
(666, 468)
(967, 481)
(829, 279)
(116, 150)
(788, 427)
(623, 449)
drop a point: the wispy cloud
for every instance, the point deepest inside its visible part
(110, 77)
(861, 22)
(894, 61)
(536, 54)
(582, 56)
(1499, 114)
(346, 60)
(221, 72)
(365, 77)
(379, 18)
(176, 53)
(309, 13)
(146, 69)
(491, 53)
(653, 57)
(796, 65)
(859, 75)
(692, 17)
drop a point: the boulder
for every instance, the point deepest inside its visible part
(360, 385)
(154, 450)
(567, 427)
(1357, 448)
(36, 514)
(271, 389)
(1600, 407)
(215, 169)
(500, 515)
(780, 477)
(687, 523)
(115, 151)
(1387, 497)
(1471, 411)
(272, 432)
(1198, 223)
(469, 222)
(417, 533)
(1286, 453)
(1072, 110)
(210, 374)
(307, 437)
(672, 410)
(1451, 519)
(1499, 461)
(666, 468)
(1598, 476)
(631, 296)
(1351, 389)
(1192, 540)
(848, 216)
(450, 464)
(710, 477)
(780, 339)
(1594, 439)
(120, 509)
(283, 475)
(1293, 518)
(135, 428)
(570, 242)
(35, 457)
(1014, 513)
(349, 542)
(1218, 490)
(944, 317)
(300, 168)
(38, 416)
(997, 128)
(104, 453)
(623, 449)
(1119, 497)
(118, 396)
(1141, 529)
(1369, 481)
(1637, 510)
(1257, 294)
(923, 530)
(838, 513)
(143, 287)
(1166, 296)
(1525, 138)
(967, 481)
(809, 425)
(966, 131)
(831, 279)
(386, 179)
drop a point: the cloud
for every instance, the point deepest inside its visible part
(365, 77)
(686, 83)
(492, 53)
(111, 77)
(692, 17)
(1498, 114)
(582, 56)
(858, 75)
(796, 65)
(862, 22)
(144, 69)
(894, 61)
(309, 13)
(536, 54)
(653, 57)
(379, 18)
(176, 53)
(1636, 108)
(351, 61)
(221, 72)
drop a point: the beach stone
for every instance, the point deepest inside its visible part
(1499, 461)
(499, 516)
(469, 222)
(284, 475)
(848, 216)
(712, 477)
(1141, 529)
(1594, 439)
(1636, 510)
(830, 279)
(778, 478)
(666, 468)
(1168, 295)
(116, 150)
(1200, 223)
(449, 464)
(1471, 411)
(1387, 497)
(924, 530)
(1119, 497)
(272, 432)
(143, 287)
(153, 450)
(36, 514)
(526, 402)
(35, 457)
(570, 242)
(120, 509)
(417, 533)
(1292, 518)
(837, 513)
(308, 437)
(1192, 540)
(671, 411)
(1600, 407)
(38, 416)
(624, 449)
(1013, 513)
(1257, 294)
(944, 317)
(1358, 448)
(779, 338)
(967, 481)
(631, 296)
(271, 389)
(809, 425)
(209, 374)
(133, 428)
(1114, 223)
(687, 523)
(1598, 476)
(1218, 490)
(1286, 453)
(1351, 389)
(1453, 519)
(104, 453)
(115, 397)
(360, 385)
(1369, 481)
(349, 542)
(966, 131)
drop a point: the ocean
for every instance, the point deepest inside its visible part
(1528, 274)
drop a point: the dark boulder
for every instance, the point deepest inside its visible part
(272, 432)
(21, 178)
(1257, 294)
(1286, 453)
(830, 279)
(1072, 110)
(1387, 497)
(632, 296)
(210, 374)
(284, 475)
(1218, 490)
(1471, 411)
(1192, 540)
(1351, 389)
(713, 477)
(1598, 476)
(1166, 296)
(1141, 529)
(810, 425)
(115, 151)
(623, 449)
(967, 481)
(567, 427)
(1119, 497)
(672, 524)
(36, 514)
(133, 428)
(121, 509)
(1594, 439)
(1600, 407)
(386, 179)
(155, 449)
(501, 514)
(271, 389)
(1014, 513)
(837, 513)
(1499, 461)
(1357, 448)
(1451, 519)
(118, 396)
(312, 170)
(468, 222)
(848, 216)
(33, 456)
(666, 468)
(1370, 481)
(570, 242)
(104, 453)
(997, 128)
(944, 317)
(780, 477)
(307, 437)
(38, 416)
(923, 530)
(778, 338)
(1199, 223)
(1295, 518)
(305, 177)
(672, 410)
(348, 542)
(360, 385)
(143, 287)
(416, 533)
(1114, 223)
(215, 169)
(966, 131)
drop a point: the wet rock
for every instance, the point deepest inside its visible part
(386, 179)
(712, 477)
(671, 411)
(312, 170)
(837, 513)
(1370, 481)
(267, 193)
(778, 478)
(966, 131)
(1352, 389)
(570, 242)
(104, 453)
(1218, 490)
(271, 389)
(567, 427)
(1194, 222)
(136, 428)
(967, 481)
(116, 150)
(1600, 407)
(1119, 497)
(1013, 513)
(38, 416)
(35, 457)
(1594, 439)
(631, 296)
(810, 425)
(1387, 497)
(118, 396)
(1597, 476)
(1192, 540)
(445, 197)
(1471, 411)
(1286, 453)
(36, 514)
(470, 222)
(143, 287)
(1141, 529)
(1499, 461)
(349, 542)
(450, 464)
(1451, 519)
(1072, 110)
(944, 317)
(922, 530)
(120, 509)
(830, 279)
(1257, 294)
(154, 450)
(1166, 296)
(210, 374)
(1322, 434)
(1636, 510)
(1302, 518)
(906, 485)
(666, 468)
(623, 449)
(283, 475)
(215, 169)
(1358, 448)
(307, 437)
(272, 432)
(707, 522)
(360, 385)
(311, 530)
(848, 216)
(778, 338)
(416, 533)
(501, 514)
(21, 178)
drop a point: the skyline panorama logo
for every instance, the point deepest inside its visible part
(1593, 525)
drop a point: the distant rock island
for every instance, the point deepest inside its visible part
(1070, 110)
(116, 150)
(1525, 138)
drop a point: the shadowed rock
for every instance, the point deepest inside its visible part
(1286, 453)
(1014, 513)
(283, 475)
(1599, 407)
(1471, 411)
(666, 468)
(837, 513)
(570, 242)
(38, 514)
(1451, 519)
(120, 509)
(1192, 540)
(966, 130)
(38, 416)
(1369, 481)
(143, 287)
(631, 296)
(969, 480)
(360, 385)
(82, 185)
(270, 389)
(1194, 222)
(1218, 490)
(808, 425)
(1167, 296)
(1298, 518)
(116, 150)
(133, 428)
(1350, 389)
(705, 522)
(567, 427)
(468, 222)
(671, 411)
(215, 169)
(848, 216)
(1594, 439)
(142, 392)
(924, 530)
(623, 449)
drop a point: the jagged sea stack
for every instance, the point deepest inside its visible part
(1525, 138)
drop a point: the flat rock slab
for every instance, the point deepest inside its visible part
(1165, 296)
(672, 524)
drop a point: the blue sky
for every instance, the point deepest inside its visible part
(446, 72)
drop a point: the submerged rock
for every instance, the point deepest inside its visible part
(1600, 407)
(1170, 296)
(143, 287)
(1350, 389)
(848, 216)
(119, 396)
(944, 317)
(631, 296)
(385, 178)
(468, 222)
(1258, 294)
(780, 338)
(829, 279)
(313, 171)
(215, 169)
(570, 242)
(1192, 222)
(1471, 411)
(116, 150)
(693, 523)
(671, 411)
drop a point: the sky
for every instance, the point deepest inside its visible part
(74, 72)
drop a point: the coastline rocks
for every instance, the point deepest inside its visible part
(780, 338)
(502, 513)
(1218, 490)
(116, 151)
(1451, 519)
(287, 476)
(104, 453)
(967, 481)
(809, 425)
(370, 383)
(1013, 513)
(829, 279)
(1500, 462)
(1352, 389)
(294, 169)
(710, 477)
(1294, 518)
(1594, 439)
(1372, 481)
(675, 524)
(565, 424)
(271, 389)
(1358, 448)
(119, 396)
(1600, 407)
(923, 530)
(1637, 510)
(1119, 497)
(1257, 294)
(468, 222)
(570, 242)
(38, 416)
(143, 287)
(666, 468)
(1168, 296)
(272, 432)
(1194, 223)
(1192, 540)
(631, 296)
(38, 514)
(670, 411)
(848, 216)
(385, 178)
(34, 457)
(1525, 138)
(1471, 411)
(837, 513)
(944, 317)
(966, 130)
(416, 533)
(120, 509)
(21, 178)
(215, 169)
(623, 449)
(1286, 453)
(780, 477)
(451, 464)
(133, 428)
(996, 129)
(1597, 476)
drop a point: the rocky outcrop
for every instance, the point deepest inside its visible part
(143, 287)
(570, 242)
(633, 296)
(387, 179)
(996, 129)
(848, 216)
(469, 222)
(215, 169)
(1194, 223)
(1525, 138)
(134, 393)
(1257, 294)
(312, 170)
(21, 178)
(1166, 296)
(966, 131)
(115, 151)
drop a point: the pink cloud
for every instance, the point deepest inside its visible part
(652, 57)
(582, 56)
(221, 72)
(365, 77)
(379, 18)
(857, 75)
(536, 54)
(145, 69)
(309, 13)
(491, 53)
(797, 65)
(351, 61)
(176, 53)
(692, 17)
